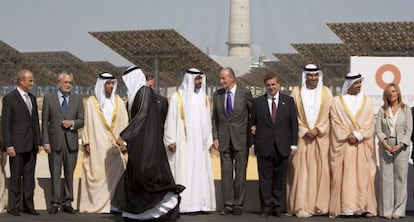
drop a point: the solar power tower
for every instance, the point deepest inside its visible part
(165, 53)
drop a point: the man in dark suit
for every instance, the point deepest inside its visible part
(230, 123)
(275, 129)
(62, 117)
(161, 100)
(21, 140)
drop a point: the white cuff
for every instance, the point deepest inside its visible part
(358, 135)
(73, 125)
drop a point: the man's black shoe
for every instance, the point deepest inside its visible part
(14, 212)
(226, 211)
(54, 210)
(31, 211)
(278, 214)
(237, 211)
(264, 214)
(69, 209)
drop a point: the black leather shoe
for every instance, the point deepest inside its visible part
(54, 210)
(226, 211)
(31, 211)
(264, 214)
(278, 214)
(179, 188)
(14, 212)
(69, 209)
(237, 211)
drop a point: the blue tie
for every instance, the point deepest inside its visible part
(229, 104)
(64, 104)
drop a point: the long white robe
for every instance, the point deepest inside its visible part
(191, 162)
(104, 166)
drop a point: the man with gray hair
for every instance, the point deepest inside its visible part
(21, 141)
(230, 125)
(62, 116)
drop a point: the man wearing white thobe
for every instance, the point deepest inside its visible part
(188, 138)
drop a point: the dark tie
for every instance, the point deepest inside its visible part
(229, 104)
(274, 110)
(64, 104)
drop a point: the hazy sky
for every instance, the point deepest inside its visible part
(63, 25)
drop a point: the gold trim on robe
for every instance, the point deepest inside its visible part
(102, 116)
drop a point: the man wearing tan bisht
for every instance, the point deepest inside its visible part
(352, 152)
(308, 172)
(103, 163)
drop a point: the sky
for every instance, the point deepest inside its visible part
(63, 25)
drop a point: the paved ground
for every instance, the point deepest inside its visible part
(212, 217)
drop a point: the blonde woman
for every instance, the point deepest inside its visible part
(3, 189)
(393, 127)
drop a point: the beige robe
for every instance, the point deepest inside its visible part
(104, 166)
(352, 166)
(308, 170)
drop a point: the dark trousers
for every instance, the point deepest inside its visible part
(272, 179)
(233, 190)
(66, 158)
(22, 170)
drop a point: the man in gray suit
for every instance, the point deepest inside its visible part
(62, 117)
(231, 116)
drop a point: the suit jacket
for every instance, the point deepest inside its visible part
(163, 107)
(52, 116)
(281, 134)
(237, 126)
(403, 128)
(19, 128)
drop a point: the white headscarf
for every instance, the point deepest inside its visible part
(134, 79)
(350, 78)
(311, 98)
(353, 101)
(106, 104)
(187, 86)
(100, 87)
(194, 102)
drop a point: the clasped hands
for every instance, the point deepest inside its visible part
(392, 149)
(67, 124)
(312, 134)
(122, 145)
(352, 140)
